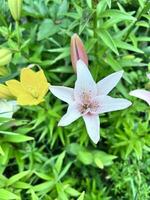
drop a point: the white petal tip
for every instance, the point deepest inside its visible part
(128, 103)
(61, 124)
(95, 141)
(131, 93)
(148, 75)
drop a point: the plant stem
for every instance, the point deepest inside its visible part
(96, 44)
(18, 33)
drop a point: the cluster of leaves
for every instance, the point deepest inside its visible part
(39, 160)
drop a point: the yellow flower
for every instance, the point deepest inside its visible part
(5, 93)
(31, 89)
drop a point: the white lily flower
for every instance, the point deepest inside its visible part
(89, 99)
(7, 108)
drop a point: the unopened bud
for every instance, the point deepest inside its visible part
(15, 7)
(3, 71)
(5, 56)
(77, 51)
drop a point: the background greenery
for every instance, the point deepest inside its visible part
(42, 161)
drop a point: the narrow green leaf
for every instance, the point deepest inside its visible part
(48, 185)
(59, 162)
(17, 177)
(117, 14)
(89, 3)
(1, 151)
(7, 195)
(109, 3)
(108, 40)
(65, 170)
(81, 197)
(125, 45)
(16, 138)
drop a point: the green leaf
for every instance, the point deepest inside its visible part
(47, 29)
(141, 2)
(81, 197)
(99, 163)
(101, 7)
(125, 45)
(109, 3)
(17, 177)
(59, 162)
(108, 40)
(63, 8)
(64, 171)
(85, 157)
(15, 137)
(72, 192)
(46, 186)
(33, 195)
(101, 158)
(89, 3)
(115, 65)
(117, 14)
(61, 193)
(1, 151)
(7, 195)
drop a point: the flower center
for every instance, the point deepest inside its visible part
(88, 104)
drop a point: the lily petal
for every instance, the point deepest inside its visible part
(63, 93)
(142, 94)
(15, 87)
(85, 82)
(34, 83)
(108, 83)
(92, 123)
(71, 115)
(4, 92)
(108, 104)
(7, 108)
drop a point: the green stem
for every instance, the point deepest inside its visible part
(18, 33)
(96, 44)
(147, 4)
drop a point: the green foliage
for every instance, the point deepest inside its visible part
(38, 159)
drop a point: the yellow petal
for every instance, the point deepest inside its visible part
(27, 99)
(42, 83)
(15, 87)
(23, 97)
(31, 89)
(34, 82)
(5, 93)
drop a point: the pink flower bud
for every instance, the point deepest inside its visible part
(77, 51)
